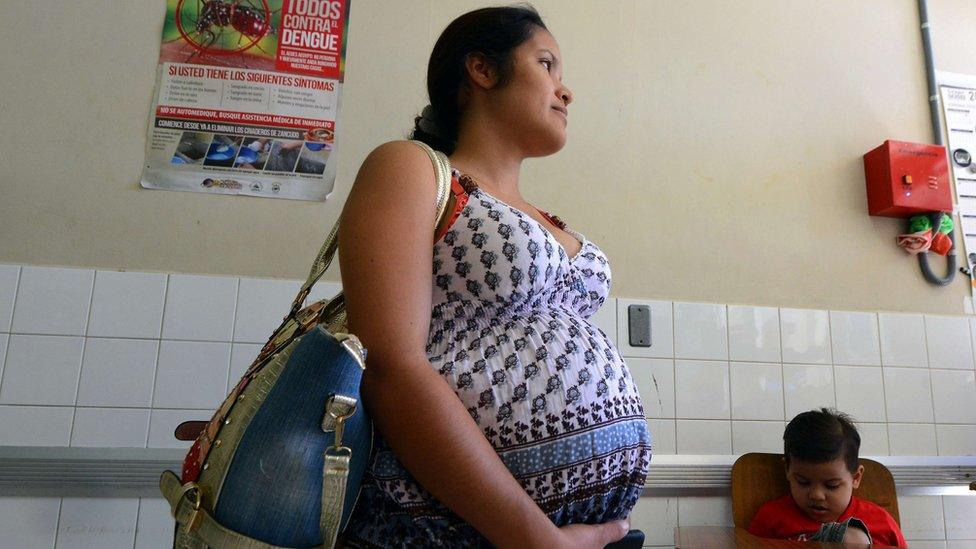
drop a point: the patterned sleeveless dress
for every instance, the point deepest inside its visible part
(510, 333)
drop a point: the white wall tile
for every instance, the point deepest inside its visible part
(757, 436)
(657, 517)
(110, 427)
(956, 440)
(860, 392)
(654, 378)
(35, 425)
(118, 372)
(854, 338)
(106, 523)
(912, 439)
(41, 370)
(903, 340)
(908, 395)
(757, 390)
(960, 517)
(323, 289)
(127, 304)
(926, 544)
(605, 318)
(53, 301)
(806, 336)
(9, 274)
(807, 387)
(29, 523)
(662, 334)
(154, 528)
(953, 394)
(949, 342)
(191, 374)
(163, 423)
(261, 306)
(663, 438)
(702, 389)
(241, 356)
(972, 333)
(704, 437)
(701, 331)
(921, 517)
(200, 308)
(874, 439)
(960, 544)
(754, 334)
(705, 511)
(3, 352)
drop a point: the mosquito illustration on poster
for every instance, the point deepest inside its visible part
(233, 33)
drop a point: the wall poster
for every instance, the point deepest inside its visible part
(247, 98)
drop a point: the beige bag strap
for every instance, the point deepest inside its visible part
(335, 474)
(442, 172)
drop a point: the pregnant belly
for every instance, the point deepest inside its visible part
(556, 401)
(582, 471)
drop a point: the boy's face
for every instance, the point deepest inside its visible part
(822, 490)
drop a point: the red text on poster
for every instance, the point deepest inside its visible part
(310, 39)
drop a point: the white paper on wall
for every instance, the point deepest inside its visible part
(958, 98)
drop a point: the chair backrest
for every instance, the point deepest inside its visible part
(758, 478)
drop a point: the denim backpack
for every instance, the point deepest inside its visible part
(281, 461)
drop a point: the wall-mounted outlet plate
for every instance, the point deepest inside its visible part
(639, 325)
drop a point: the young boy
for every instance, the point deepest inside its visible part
(821, 466)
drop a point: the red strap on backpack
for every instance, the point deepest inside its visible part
(460, 187)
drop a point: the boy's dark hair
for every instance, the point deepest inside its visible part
(822, 435)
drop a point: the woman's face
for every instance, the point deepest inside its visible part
(533, 104)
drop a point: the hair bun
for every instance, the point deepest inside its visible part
(427, 123)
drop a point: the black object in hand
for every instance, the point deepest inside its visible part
(633, 540)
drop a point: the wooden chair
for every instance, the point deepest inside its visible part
(758, 478)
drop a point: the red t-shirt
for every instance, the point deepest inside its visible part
(783, 519)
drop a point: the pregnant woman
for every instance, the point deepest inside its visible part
(505, 416)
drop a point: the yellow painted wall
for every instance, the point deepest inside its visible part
(715, 146)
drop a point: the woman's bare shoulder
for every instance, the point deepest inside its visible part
(400, 164)
(395, 182)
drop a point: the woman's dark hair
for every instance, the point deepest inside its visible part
(822, 435)
(491, 32)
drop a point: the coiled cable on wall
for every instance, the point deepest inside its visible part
(923, 258)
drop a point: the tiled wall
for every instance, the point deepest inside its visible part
(98, 358)
(724, 379)
(142, 352)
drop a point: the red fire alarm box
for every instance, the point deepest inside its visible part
(904, 179)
